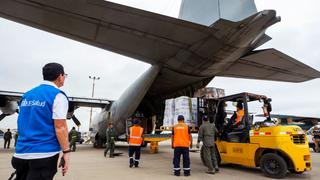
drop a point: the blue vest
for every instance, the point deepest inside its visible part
(35, 123)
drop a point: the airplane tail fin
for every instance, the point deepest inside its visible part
(206, 12)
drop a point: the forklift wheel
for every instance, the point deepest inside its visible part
(273, 165)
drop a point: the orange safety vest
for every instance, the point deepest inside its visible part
(240, 115)
(135, 138)
(181, 137)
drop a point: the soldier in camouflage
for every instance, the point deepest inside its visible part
(111, 137)
(206, 134)
(73, 136)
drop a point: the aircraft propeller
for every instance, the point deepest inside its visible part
(75, 120)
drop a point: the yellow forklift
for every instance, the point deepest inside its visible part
(275, 149)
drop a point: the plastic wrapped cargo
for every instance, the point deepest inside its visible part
(168, 113)
(194, 117)
(182, 107)
(188, 107)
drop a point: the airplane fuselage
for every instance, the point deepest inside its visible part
(234, 47)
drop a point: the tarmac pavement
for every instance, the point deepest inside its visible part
(88, 163)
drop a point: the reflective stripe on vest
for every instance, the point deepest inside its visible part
(240, 115)
(181, 136)
(135, 138)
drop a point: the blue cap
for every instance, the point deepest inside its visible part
(136, 121)
(180, 117)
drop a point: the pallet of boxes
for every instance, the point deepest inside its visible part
(188, 107)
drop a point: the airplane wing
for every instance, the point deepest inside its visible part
(10, 96)
(186, 51)
(295, 118)
(135, 33)
(89, 102)
(9, 101)
(74, 101)
(270, 64)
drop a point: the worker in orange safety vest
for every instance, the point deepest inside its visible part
(238, 115)
(135, 140)
(181, 141)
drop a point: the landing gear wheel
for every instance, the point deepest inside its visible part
(273, 165)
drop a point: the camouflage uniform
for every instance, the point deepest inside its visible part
(73, 136)
(206, 134)
(111, 135)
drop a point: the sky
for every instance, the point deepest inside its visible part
(25, 50)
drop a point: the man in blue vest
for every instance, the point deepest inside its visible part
(42, 128)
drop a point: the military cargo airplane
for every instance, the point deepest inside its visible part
(210, 38)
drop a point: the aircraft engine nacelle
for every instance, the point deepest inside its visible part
(9, 107)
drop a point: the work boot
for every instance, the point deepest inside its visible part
(177, 173)
(217, 170)
(131, 165)
(186, 173)
(136, 165)
(105, 154)
(210, 172)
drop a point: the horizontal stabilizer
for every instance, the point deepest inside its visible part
(270, 64)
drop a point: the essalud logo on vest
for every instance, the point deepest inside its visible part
(33, 103)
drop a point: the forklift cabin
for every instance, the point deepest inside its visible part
(224, 123)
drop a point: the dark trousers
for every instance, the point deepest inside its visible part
(35, 169)
(178, 151)
(110, 146)
(7, 143)
(136, 151)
